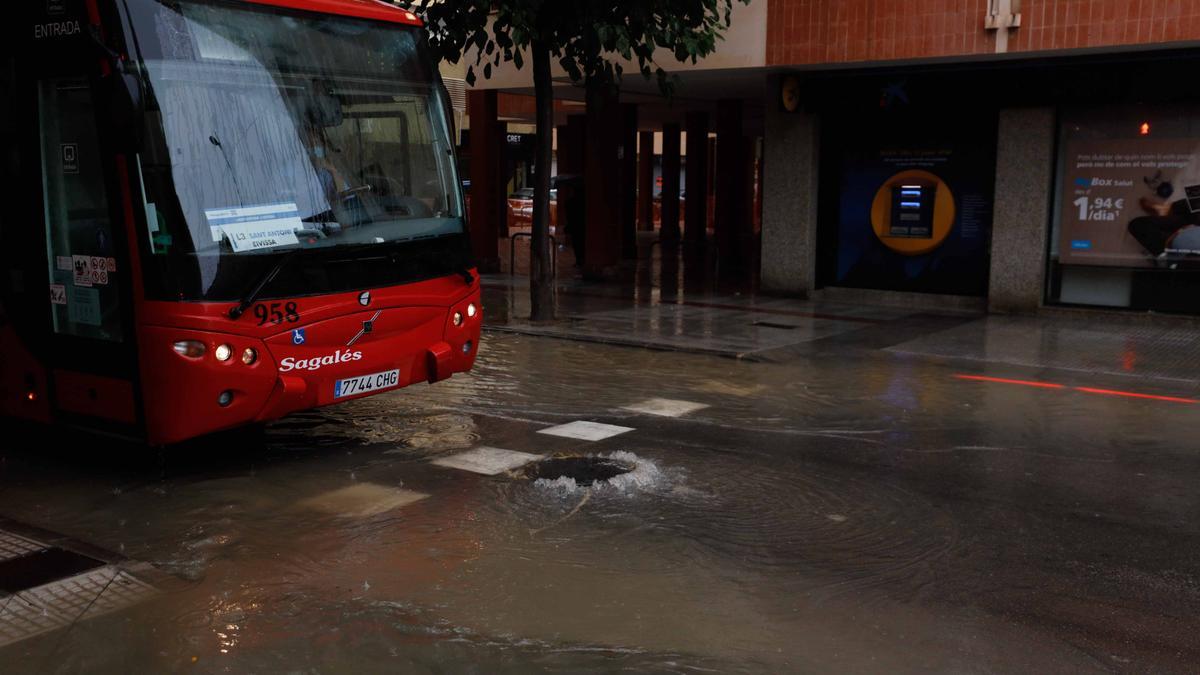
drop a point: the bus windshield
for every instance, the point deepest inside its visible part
(271, 130)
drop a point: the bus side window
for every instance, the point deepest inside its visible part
(84, 295)
(8, 157)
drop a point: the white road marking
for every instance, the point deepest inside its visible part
(487, 460)
(362, 500)
(586, 431)
(665, 407)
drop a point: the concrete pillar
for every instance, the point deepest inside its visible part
(602, 182)
(789, 218)
(710, 183)
(573, 146)
(732, 222)
(1025, 167)
(645, 191)
(671, 164)
(572, 150)
(696, 204)
(560, 209)
(628, 158)
(487, 185)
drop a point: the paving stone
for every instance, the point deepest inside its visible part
(487, 461)
(665, 407)
(586, 431)
(362, 500)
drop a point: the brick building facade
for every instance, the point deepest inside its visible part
(1049, 150)
(813, 32)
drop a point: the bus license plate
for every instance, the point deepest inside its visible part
(366, 383)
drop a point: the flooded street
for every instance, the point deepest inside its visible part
(849, 511)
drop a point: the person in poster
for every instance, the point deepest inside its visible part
(1171, 229)
(1131, 203)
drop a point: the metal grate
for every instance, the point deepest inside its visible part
(14, 546)
(62, 603)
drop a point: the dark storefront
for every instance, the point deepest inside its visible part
(907, 183)
(908, 177)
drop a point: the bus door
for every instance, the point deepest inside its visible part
(76, 255)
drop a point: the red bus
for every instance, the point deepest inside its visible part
(218, 212)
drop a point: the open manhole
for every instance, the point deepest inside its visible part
(583, 470)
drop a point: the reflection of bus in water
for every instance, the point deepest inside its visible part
(221, 212)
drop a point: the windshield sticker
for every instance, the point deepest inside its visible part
(82, 265)
(58, 294)
(64, 263)
(83, 306)
(91, 270)
(70, 157)
(256, 227)
(99, 272)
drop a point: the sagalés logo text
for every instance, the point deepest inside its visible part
(289, 364)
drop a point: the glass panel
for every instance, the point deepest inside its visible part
(1127, 214)
(259, 148)
(84, 291)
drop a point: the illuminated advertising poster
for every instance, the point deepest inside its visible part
(916, 216)
(1130, 202)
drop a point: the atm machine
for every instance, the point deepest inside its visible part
(912, 210)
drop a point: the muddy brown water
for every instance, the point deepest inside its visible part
(861, 515)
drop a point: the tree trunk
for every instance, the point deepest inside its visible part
(541, 280)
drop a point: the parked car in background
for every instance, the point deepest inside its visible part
(520, 208)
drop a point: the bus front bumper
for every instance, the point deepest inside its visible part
(304, 367)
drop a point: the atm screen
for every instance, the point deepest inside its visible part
(912, 210)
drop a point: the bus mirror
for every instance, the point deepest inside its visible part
(125, 106)
(122, 98)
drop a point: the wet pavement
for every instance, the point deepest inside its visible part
(708, 321)
(885, 491)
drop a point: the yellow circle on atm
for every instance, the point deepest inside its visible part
(943, 214)
(789, 93)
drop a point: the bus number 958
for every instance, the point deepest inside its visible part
(276, 313)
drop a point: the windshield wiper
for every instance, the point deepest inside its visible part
(236, 312)
(237, 187)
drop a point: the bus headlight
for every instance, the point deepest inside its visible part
(223, 353)
(457, 319)
(249, 356)
(193, 349)
(472, 310)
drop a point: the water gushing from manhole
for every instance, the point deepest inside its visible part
(584, 471)
(622, 472)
